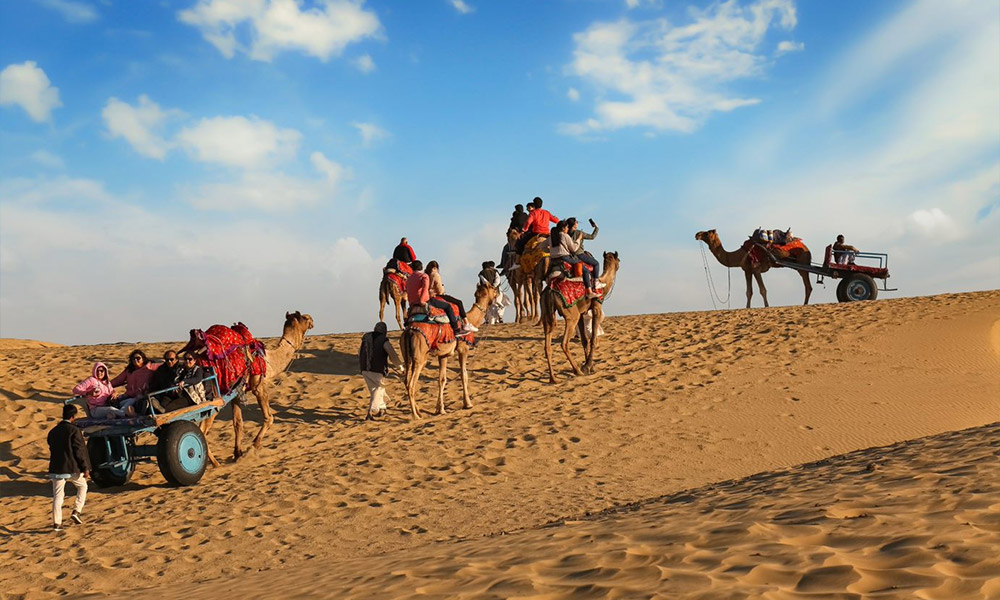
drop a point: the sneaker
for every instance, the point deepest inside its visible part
(600, 285)
(471, 327)
(592, 294)
(75, 517)
(57, 527)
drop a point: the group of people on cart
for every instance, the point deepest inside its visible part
(149, 387)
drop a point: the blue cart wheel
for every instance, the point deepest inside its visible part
(860, 287)
(111, 460)
(182, 453)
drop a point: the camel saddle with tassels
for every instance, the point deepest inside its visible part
(231, 352)
(398, 273)
(532, 255)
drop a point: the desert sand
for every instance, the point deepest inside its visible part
(820, 451)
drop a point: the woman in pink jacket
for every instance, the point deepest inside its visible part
(99, 392)
(136, 378)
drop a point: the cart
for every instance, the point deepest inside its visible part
(857, 282)
(181, 450)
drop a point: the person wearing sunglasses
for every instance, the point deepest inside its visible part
(189, 380)
(99, 392)
(135, 377)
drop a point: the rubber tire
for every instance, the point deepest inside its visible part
(182, 453)
(842, 291)
(97, 450)
(860, 287)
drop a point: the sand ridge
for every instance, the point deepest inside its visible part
(679, 401)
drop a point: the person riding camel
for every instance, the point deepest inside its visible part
(403, 252)
(537, 224)
(518, 218)
(418, 294)
(433, 271)
(586, 257)
(564, 249)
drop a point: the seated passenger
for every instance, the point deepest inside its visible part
(136, 378)
(190, 378)
(100, 394)
(584, 256)
(843, 253)
(418, 288)
(163, 379)
(564, 249)
(437, 291)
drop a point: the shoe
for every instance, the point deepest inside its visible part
(471, 327)
(599, 285)
(157, 407)
(75, 517)
(592, 294)
(56, 527)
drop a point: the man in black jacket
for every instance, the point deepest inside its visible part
(68, 461)
(375, 357)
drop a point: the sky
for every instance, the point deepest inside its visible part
(170, 165)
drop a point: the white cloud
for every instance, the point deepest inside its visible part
(631, 4)
(138, 125)
(934, 224)
(671, 77)
(462, 7)
(239, 142)
(786, 46)
(573, 94)
(74, 12)
(27, 86)
(365, 63)
(279, 25)
(370, 132)
(47, 159)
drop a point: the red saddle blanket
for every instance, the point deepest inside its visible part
(231, 352)
(571, 292)
(403, 272)
(792, 250)
(436, 334)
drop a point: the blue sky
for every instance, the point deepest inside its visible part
(220, 160)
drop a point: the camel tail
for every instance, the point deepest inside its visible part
(383, 291)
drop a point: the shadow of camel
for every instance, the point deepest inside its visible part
(325, 362)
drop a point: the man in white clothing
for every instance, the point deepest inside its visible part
(376, 356)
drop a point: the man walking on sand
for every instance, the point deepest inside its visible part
(376, 356)
(68, 461)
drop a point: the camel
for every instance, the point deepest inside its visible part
(525, 287)
(278, 357)
(415, 352)
(551, 304)
(387, 289)
(740, 258)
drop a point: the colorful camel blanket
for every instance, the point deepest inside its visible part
(532, 255)
(436, 334)
(570, 292)
(792, 250)
(403, 272)
(231, 352)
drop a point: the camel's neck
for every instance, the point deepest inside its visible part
(280, 355)
(728, 259)
(608, 277)
(475, 315)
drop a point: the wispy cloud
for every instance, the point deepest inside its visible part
(280, 25)
(786, 46)
(139, 125)
(670, 77)
(239, 141)
(370, 132)
(47, 159)
(74, 12)
(365, 63)
(26, 85)
(461, 6)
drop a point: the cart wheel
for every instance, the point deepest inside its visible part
(97, 449)
(842, 291)
(860, 287)
(182, 453)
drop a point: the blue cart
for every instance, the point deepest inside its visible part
(180, 450)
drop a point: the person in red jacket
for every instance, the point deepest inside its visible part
(403, 252)
(537, 225)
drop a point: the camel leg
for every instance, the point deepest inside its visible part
(548, 355)
(808, 284)
(442, 380)
(237, 426)
(749, 275)
(760, 284)
(595, 323)
(267, 417)
(463, 357)
(206, 426)
(381, 309)
(413, 379)
(571, 320)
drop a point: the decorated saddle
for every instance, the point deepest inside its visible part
(231, 351)
(532, 255)
(425, 313)
(571, 290)
(791, 249)
(398, 273)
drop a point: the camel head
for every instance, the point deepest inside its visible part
(512, 235)
(298, 322)
(611, 261)
(486, 294)
(710, 237)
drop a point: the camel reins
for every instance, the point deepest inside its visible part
(713, 293)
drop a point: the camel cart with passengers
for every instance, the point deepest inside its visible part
(115, 446)
(857, 281)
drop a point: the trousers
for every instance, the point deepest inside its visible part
(376, 388)
(59, 493)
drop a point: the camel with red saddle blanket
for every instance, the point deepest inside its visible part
(754, 262)
(568, 297)
(427, 338)
(233, 353)
(393, 285)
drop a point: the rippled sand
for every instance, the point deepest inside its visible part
(334, 506)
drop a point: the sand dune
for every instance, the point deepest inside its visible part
(680, 401)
